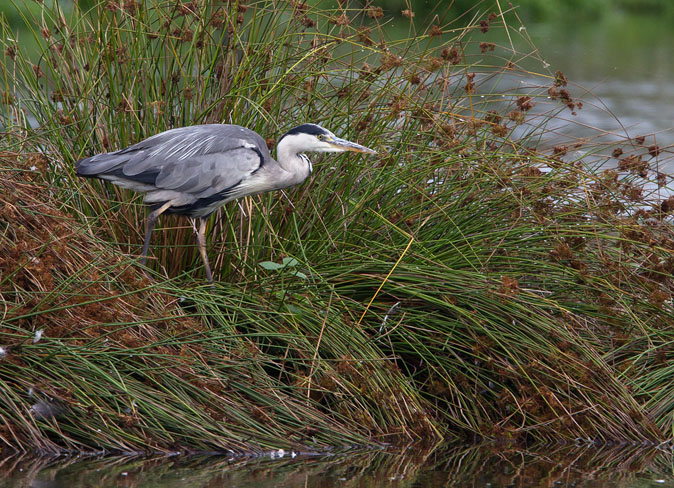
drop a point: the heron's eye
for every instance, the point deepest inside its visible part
(320, 137)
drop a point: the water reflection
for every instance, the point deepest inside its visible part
(486, 465)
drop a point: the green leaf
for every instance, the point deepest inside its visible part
(294, 309)
(289, 262)
(271, 265)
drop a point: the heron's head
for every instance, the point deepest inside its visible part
(314, 138)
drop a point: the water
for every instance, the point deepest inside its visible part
(488, 465)
(623, 69)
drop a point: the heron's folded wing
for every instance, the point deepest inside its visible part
(200, 160)
(209, 174)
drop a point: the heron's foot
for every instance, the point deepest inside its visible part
(147, 275)
(143, 268)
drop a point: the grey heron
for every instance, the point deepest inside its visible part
(194, 170)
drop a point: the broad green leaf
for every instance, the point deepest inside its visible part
(271, 265)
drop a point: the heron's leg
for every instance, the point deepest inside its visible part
(201, 241)
(149, 225)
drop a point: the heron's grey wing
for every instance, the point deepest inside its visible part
(200, 160)
(208, 174)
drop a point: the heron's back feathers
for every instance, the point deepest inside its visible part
(189, 166)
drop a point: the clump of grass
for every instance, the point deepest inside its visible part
(95, 356)
(472, 282)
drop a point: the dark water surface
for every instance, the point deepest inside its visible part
(486, 465)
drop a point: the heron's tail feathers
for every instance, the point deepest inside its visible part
(100, 164)
(128, 170)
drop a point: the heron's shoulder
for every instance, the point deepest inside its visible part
(231, 132)
(206, 130)
(235, 131)
(202, 139)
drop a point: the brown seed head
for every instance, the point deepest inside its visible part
(306, 21)
(340, 20)
(487, 46)
(390, 60)
(64, 119)
(516, 116)
(470, 85)
(560, 79)
(509, 286)
(525, 104)
(433, 63)
(218, 18)
(375, 12)
(364, 36)
(662, 179)
(560, 150)
(493, 117)
(452, 55)
(667, 206)
(499, 130)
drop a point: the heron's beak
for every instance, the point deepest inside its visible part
(344, 145)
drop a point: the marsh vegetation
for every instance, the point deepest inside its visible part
(474, 282)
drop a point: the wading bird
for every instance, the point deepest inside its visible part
(194, 170)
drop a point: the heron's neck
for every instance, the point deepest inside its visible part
(297, 165)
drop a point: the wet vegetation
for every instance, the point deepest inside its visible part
(480, 279)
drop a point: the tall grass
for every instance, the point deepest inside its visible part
(474, 281)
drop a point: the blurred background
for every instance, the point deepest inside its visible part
(616, 53)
